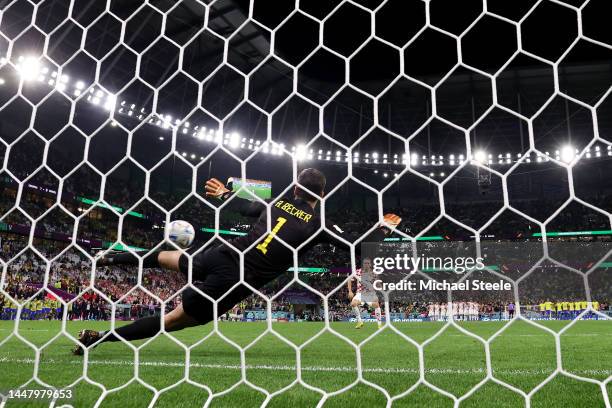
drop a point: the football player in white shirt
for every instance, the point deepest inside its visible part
(365, 293)
(436, 309)
(430, 311)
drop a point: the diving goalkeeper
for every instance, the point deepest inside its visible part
(216, 270)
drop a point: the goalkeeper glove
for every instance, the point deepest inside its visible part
(215, 188)
(390, 222)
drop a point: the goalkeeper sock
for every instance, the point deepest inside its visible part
(357, 313)
(127, 258)
(378, 314)
(140, 329)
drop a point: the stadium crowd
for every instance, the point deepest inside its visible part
(69, 278)
(88, 293)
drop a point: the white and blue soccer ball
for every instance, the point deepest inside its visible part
(181, 233)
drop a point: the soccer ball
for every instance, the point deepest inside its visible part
(181, 233)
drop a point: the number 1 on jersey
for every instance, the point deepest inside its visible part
(263, 247)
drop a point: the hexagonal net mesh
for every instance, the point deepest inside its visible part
(487, 134)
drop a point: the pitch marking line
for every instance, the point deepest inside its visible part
(306, 368)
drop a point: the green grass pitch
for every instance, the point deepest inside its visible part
(522, 356)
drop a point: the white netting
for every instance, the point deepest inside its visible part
(61, 92)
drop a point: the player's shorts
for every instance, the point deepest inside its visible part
(215, 272)
(366, 297)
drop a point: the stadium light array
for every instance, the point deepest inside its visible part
(30, 69)
(480, 156)
(568, 153)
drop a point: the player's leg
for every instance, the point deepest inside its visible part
(219, 274)
(148, 326)
(355, 303)
(155, 259)
(140, 329)
(377, 313)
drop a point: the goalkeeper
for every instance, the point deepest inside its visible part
(216, 270)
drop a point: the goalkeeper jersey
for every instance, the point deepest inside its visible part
(293, 221)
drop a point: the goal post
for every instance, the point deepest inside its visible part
(112, 117)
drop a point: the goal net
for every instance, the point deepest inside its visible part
(484, 126)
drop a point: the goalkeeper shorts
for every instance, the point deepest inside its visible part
(215, 272)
